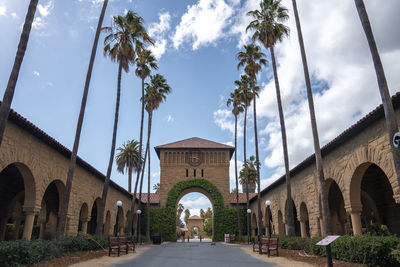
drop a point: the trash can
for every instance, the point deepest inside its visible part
(156, 239)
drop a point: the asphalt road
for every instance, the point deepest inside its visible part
(193, 255)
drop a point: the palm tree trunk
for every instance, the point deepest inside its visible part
(140, 187)
(318, 156)
(130, 219)
(245, 174)
(237, 182)
(148, 177)
(130, 179)
(100, 216)
(391, 123)
(132, 213)
(12, 81)
(72, 163)
(290, 225)
(257, 165)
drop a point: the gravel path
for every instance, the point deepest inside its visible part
(194, 255)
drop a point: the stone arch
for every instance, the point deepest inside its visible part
(94, 211)
(254, 226)
(195, 185)
(339, 218)
(304, 220)
(371, 195)
(107, 224)
(51, 200)
(83, 218)
(268, 222)
(119, 224)
(295, 216)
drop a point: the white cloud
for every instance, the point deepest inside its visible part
(203, 23)
(157, 32)
(3, 10)
(225, 120)
(50, 84)
(36, 73)
(232, 177)
(155, 174)
(170, 118)
(45, 10)
(14, 15)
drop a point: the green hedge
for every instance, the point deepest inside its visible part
(162, 220)
(23, 252)
(366, 249)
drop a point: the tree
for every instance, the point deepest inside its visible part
(187, 215)
(119, 47)
(250, 168)
(145, 61)
(156, 93)
(71, 169)
(234, 191)
(246, 96)
(207, 224)
(156, 187)
(269, 29)
(202, 213)
(252, 59)
(326, 217)
(391, 123)
(12, 80)
(237, 108)
(179, 211)
(128, 159)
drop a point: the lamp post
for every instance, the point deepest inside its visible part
(119, 204)
(248, 226)
(268, 203)
(138, 237)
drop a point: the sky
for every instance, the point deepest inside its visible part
(196, 46)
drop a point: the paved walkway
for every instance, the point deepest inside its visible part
(194, 255)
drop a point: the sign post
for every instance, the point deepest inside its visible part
(326, 242)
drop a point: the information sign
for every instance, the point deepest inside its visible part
(327, 240)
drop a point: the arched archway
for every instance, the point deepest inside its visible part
(17, 190)
(304, 221)
(372, 194)
(195, 185)
(107, 224)
(254, 226)
(269, 231)
(339, 218)
(93, 216)
(83, 218)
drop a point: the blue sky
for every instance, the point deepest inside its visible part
(196, 45)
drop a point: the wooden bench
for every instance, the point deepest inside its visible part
(115, 245)
(231, 238)
(264, 243)
(273, 246)
(124, 241)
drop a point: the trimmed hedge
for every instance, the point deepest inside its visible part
(23, 252)
(366, 249)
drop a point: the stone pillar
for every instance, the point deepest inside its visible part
(41, 232)
(303, 228)
(84, 226)
(356, 222)
(29, 219)
(321, 223)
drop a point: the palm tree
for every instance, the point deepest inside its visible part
(269, 30)
(246, 96)
(128, 159)
(235, 101)
(326, 217)
(12, 80)
(391, 123)
(72, 163)
(252, 59)
(156, 93)
(145, 61)
(250, 167)
(119, 47)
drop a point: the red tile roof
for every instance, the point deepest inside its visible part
(194, 142)
(195, 217)
(349, 133)
(242, 197)
(154, 198)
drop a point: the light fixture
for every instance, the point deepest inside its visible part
(119, 203)
(139, 212)
(268, 203)
(248, 211)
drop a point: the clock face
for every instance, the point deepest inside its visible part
(195, 158)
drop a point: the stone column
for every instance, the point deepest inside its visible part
(84, 226)
(356, 222)
(321, 223)
(29, 218)
(303, 228)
